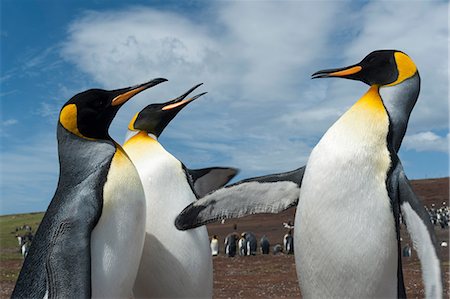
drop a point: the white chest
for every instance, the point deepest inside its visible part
(344, 228)
(174, 263)
(118, 238)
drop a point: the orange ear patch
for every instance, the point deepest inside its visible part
(406, 67)
(131, 124)
(68, 119)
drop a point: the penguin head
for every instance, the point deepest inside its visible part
(90, 113)
(155, 117)
(382, 68)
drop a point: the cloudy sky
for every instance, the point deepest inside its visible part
(262, 114)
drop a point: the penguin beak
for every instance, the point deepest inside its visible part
(155, 117)
(346, 72)
(127, 93)
(181, 101)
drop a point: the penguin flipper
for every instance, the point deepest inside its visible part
(266, 194)
(422, 234)
(206, 180)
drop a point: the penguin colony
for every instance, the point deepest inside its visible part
(113, 225)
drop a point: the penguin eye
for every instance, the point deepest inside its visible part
(100, 103)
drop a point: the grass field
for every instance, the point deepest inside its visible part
(9, 247)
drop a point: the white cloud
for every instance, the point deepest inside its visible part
(9, 122)
(5, 125)
(427, 141)
(126, 47)
(29, 174)
(252, 66)
(255, 59)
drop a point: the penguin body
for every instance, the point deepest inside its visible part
(118, 238)
(230, 244)
(174, 263)
(214, 246)
(250, 243)
(265, 245)
(62, 261)
(242, 246)
(350, 194)
(348, 207)
(288, 242)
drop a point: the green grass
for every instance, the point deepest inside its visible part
(10, 255)
(9, 247)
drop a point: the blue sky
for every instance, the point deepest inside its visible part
(262, 112)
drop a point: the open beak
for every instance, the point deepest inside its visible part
(345, 72)
(181, 101)
(127, 93)
(155, 117)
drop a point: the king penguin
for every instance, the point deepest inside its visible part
(174, 263)
(350, 194)
(90, 240)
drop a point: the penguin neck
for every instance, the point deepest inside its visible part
(77, 155)
(399, 100)
(366, 116)
(370, 102)
(364, 125)
(131, 133)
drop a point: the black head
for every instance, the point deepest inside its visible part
(382, 67)
(155, 117)
(90, 113)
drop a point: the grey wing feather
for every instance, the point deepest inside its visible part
(69, 251)
(421, 231)
(206, 180)
(267, 194)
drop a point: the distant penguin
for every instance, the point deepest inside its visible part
(90, 239)
(174, 263)
(214, 245)
(265, 245)
(288, 241)
(277, 249)
(251, 243)
(288, 225)
(354, 171)
(242, 246)
(406, 250)
(24, 249)
(230, 244)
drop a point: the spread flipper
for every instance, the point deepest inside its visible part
(422, 234)
(206, 180)
(266, 194)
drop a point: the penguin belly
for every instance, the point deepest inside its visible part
(346, 243)
(174, 263)
(118, 238)
(214, 247)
